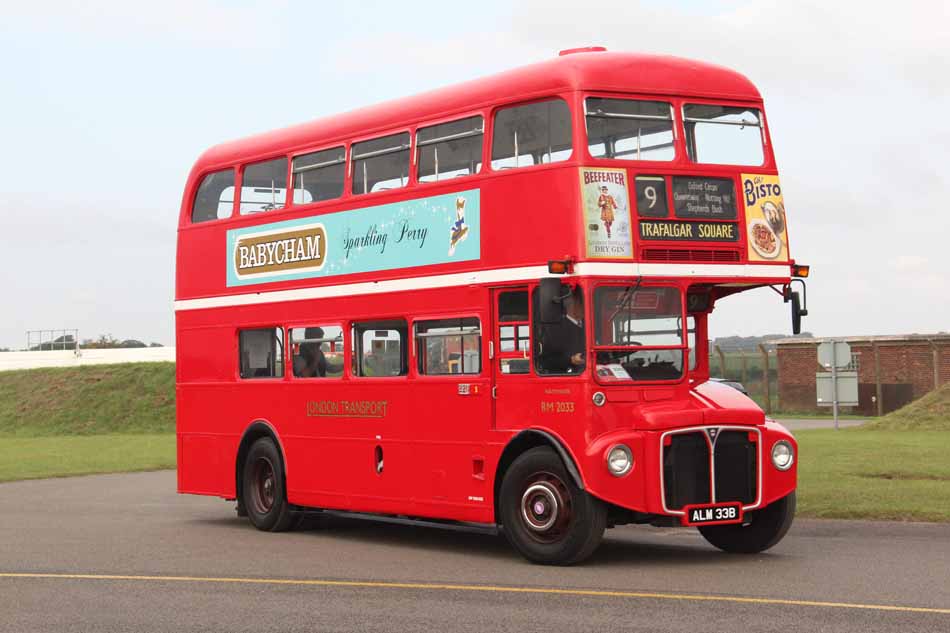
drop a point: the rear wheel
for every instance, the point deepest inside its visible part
(759, 531)
(546, 517)
(264, 494)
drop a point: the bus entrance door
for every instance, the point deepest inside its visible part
(512, 381)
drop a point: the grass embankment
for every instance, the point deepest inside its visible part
(892, 468)
(94, 419)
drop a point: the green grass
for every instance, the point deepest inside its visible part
(83, 420)
(42, 457)
(858, 473)
(90, 400)
(929, 413)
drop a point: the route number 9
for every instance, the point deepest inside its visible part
(650, 194)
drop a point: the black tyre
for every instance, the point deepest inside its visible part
(264, 493)
(761, 529)
(547, 518)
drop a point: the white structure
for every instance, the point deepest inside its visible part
(32, 360)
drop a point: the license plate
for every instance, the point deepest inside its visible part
(713, 514)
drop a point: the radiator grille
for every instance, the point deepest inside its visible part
(687, 475)
(736, 475)
(686, 470)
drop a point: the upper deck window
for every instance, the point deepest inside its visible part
(531, 134)
(215, 197)
(450, 149)
(629, 130)
(319, 175)
(723, 135)
(264, 186)
(380, 164)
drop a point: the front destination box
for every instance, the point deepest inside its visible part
(689, 231)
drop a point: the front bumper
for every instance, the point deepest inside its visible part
(696, 465)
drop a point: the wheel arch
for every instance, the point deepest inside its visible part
(524, 441)
(255, 431)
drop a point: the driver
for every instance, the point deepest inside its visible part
(563, 344)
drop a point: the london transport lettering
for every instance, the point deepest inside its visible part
(346, 408)
(432, 230)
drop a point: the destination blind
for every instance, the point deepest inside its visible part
(689, 231)
(704, 198)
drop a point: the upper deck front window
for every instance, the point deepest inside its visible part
(531, 134)
(628, 129)
(723, 135)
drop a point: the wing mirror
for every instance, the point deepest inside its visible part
(551, 300)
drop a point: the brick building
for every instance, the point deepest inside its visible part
(892, 370)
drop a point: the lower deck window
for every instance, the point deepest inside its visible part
(317, 351)
(449, 346)
(261, 353)
(380, 348)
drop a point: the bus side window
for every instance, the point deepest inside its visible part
(380, 348)
(380, 164)
(514, 333)
(317, 351)
(449, 346)
(450, 149)
(215, 197)
(531, 134)
(261, 353)
(319, 175)
(264, 186)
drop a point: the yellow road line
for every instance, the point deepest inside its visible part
(483, 588)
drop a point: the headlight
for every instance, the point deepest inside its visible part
(783, 455)
(619, 460)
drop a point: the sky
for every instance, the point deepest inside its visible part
(105, 105)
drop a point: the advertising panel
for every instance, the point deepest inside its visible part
(605, 203)
(433, 230)
(765, 218)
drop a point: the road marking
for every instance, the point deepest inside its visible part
(484, 588)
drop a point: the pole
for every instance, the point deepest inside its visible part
(766, 380)
(936, 362)
(722, 362)
(834, 381)
(878, 390)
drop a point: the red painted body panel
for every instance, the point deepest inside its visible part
(442, 448)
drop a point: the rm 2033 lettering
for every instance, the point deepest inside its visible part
(555, 406)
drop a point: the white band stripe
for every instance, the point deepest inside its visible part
(497, 275)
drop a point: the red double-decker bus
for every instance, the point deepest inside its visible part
(487, 306)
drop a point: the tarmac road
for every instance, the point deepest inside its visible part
(124, 552)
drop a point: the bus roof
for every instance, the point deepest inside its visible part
(585, 69)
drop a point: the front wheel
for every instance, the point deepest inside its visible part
(547, 518)
(264, 493)
(759, 531)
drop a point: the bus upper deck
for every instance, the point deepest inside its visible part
(666, 164)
